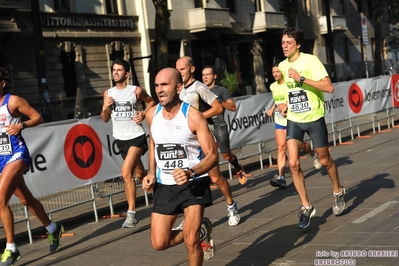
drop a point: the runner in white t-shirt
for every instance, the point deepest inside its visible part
(195, 93)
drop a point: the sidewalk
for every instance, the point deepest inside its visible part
(267, 233)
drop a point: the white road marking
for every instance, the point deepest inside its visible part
(375, 212)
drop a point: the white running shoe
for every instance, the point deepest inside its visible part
(234, 217)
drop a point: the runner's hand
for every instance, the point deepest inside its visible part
(148, 182)
(180, 176)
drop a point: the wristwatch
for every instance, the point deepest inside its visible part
(301, 80)
(193, 174)
(24, 126)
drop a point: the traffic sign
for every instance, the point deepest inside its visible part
(365, 35)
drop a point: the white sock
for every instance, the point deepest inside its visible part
(51, 227)
(132, 212)
(338, 194)
(281, 177)
(11, 246)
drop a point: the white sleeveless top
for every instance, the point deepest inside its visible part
(175, 145)
(123, 127)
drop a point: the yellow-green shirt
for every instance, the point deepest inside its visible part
(279, 92)
(305, 104)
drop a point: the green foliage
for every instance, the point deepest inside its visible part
(393, 11)
(393, 18)
(230, 81)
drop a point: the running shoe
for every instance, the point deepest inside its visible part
(278, 181)
(339, 202)
(316, 162)
(179, 227)
(304, 216)
(55, 237)
(242, 176)
(130, 221)
(207, 244)
(8, 258)
(234, 217)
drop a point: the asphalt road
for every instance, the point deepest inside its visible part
(367, 232)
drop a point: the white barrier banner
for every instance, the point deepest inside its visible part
(250, 123)
(72, 153)
(357, 98)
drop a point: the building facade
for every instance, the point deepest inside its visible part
(244, 36)
(80, 41)
(82, 38)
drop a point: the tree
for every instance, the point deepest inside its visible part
(161, 33)
(393, 18)
(161, 59)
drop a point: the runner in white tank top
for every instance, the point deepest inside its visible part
(119, 107)
(14, 162)
(180, 149)
(124, 109)
(179, 135)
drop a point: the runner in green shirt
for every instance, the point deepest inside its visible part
(279, 109)
(307, 80)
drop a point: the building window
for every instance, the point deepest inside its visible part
(323, 8)
(116, 51)
(231, 5)
(111, 7)
(61, 6)
(346, 50)
(308, 46)
(306, 8)
(198, 3)
(258, 6)
(342, 8)
(68, 56)
(2, 59)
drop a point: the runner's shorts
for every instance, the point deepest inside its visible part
(124, 145)
(173, 199)
(219, 131)
(19, 152)
(316, 130)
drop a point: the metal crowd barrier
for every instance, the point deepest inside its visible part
(87, 193)
(114, 186)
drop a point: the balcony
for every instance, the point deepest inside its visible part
(338, 23)
(203, 19)
(265, 21)
(7, 19)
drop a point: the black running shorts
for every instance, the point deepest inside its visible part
(316, 130)
(173, 199)
(124, 145)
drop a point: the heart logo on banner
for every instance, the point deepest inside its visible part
(83, 151)
(355, 98)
